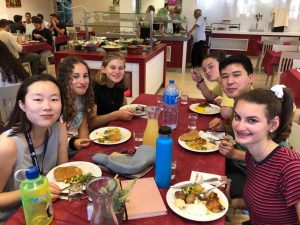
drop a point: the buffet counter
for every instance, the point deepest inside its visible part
(260, 33)
(147, 72)
(177, 47)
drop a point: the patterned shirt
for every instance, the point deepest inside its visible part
(273, 187)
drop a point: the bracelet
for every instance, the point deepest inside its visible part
(72, 143)
(199, 82)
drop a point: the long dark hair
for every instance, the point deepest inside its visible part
(283, 108)
(18, 120)
(65, 71)
(11, 69)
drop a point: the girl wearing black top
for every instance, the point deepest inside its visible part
(109, 90)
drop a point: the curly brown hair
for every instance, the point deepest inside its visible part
(64, 77)
(101, 77)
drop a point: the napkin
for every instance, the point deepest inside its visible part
(142, 159)
(198, 176)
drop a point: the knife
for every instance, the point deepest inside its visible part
(191, 183)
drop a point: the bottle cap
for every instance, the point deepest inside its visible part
(164, 130)
(171, 82)
(32, 172)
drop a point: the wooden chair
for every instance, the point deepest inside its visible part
(267, 45)
(7, 100)
(293, 139)
(296, 43)
(286, 62)
(27, 67)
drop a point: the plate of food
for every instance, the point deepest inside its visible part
(205, 108)
(190, 203)
(110, 135)
(199, 141)
(138, 109)
(77, 171)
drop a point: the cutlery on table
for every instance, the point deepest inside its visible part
(214, 179)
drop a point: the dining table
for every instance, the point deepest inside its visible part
(35, 46)
(75, 211)
(291, 79)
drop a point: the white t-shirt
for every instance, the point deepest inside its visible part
(199, 32)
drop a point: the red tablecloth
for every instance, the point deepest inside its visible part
(61, 39)
(270, 59)
(35, 47)
(291, 79)
(74, 212)
(81, 34)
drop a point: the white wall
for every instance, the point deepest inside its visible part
(33, 6)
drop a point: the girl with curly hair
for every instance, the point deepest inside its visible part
(109, 92)
(74, 75)
(11, 70)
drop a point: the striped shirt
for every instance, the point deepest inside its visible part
(273, 187)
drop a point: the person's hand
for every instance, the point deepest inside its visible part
(226, 147)
(196, 76)
(82, 143)
(37, 36)
(124, 114)
(216, 124)
(54, 191)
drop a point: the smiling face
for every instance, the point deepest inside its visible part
(114, 71)
(42, 104)
(210, 67)
(250, 124)
(235, 80)
(79, 80)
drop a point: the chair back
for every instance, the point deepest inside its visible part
(72, 33)
(287, 61)
(7, 100)
(297, 44)
(269, 44)
(293, 139)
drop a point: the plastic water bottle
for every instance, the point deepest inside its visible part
(163, 158)
(170, 111)
(36, 198)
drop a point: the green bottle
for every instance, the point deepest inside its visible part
(36, 198)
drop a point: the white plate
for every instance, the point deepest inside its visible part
(130, 106)
(125, 135)
(187, 212)
(203, 135)
(33, 41)
(86, 167)
(213, 109)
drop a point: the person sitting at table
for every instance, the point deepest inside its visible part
(210, 67)
(28, 24)
(45, 23)
(15, 48)
(32, 128)
(17, 25)
(11, 69)
(74, 76)
(109, 90)
(236, 78)
(262, 119)
(41, 33)
(57, 27)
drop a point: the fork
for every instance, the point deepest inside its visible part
(205, 193)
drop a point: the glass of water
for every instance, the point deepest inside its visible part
(192, 121)
(184, 98)
(138, 138)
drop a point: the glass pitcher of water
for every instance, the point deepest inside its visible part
(151, 131)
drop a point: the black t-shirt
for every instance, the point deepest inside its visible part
(145, 31)
(108, 99)
(17, 26)
(45, 33)
(60, 25)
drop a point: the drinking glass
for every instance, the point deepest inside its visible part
(138, 138)
(184, 98)
(192, 121)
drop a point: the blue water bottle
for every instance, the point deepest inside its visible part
(163, 159)
(170, 112)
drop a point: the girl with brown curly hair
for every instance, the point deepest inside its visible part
(74, 75)
(109, 92)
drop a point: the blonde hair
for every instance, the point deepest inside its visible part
(101, 77)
